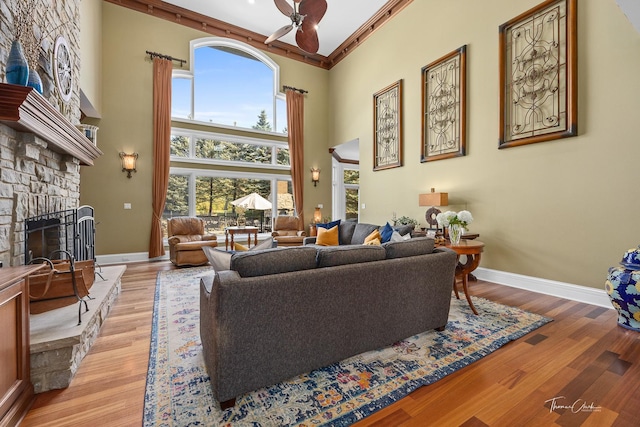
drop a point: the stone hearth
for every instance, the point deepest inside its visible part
(58, 343)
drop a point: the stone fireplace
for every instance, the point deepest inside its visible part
(40, 156)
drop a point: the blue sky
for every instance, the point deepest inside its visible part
(229, 89)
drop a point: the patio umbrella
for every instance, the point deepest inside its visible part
(253, 201)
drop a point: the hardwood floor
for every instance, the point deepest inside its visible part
(581, 359)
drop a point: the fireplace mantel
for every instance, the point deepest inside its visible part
(24, 109)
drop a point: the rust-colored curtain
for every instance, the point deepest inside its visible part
(295, 124)
(162, 69)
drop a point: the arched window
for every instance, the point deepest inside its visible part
(230, 84)
(228, 137)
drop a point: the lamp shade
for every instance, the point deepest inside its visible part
(433, 199)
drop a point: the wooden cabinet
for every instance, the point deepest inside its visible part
(16, 390)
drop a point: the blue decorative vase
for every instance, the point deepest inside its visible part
(34, 80)
(623, 288)
(17, 69)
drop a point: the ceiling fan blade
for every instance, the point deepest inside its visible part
(313, 9)
(284, 7)
(279, 33)
(307, 38)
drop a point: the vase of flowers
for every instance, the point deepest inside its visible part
(456, 222)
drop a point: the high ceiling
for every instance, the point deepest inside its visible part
(342, 19)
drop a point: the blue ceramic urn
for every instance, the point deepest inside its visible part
(623, 288)
(17, 70)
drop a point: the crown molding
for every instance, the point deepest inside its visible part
(206, 24)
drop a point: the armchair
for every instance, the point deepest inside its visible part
(288, 231)
(186, 239)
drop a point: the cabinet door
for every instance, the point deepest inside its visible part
(16, 391)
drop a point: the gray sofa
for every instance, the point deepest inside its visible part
(281, 312)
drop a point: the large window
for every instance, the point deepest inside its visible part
(229, 124)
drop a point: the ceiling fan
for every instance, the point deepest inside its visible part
(305, 16)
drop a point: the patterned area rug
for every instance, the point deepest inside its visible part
(178, 392)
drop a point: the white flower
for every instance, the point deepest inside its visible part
(442, 221)
(465, 217)
(447, 218)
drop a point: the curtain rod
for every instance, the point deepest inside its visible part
(170, 58)
(295, 88)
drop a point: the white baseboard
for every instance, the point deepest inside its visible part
(548, 287)
(126, 258)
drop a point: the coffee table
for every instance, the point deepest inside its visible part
(472, 249)
(240, 230)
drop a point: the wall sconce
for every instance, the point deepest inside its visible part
(128, 162)
(315, 176)
(317, 216)
(433, 199)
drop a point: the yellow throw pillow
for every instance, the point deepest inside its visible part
(375, 234)
(239, 247)
(374, 242)
(327, 237)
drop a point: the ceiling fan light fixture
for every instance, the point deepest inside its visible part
(305, 16)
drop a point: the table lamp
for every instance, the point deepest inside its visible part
(433, 199)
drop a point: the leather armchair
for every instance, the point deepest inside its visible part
(186, 239)
(288, 231)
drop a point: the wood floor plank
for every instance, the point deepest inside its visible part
(582, 352)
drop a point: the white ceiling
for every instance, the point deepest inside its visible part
(342, 19)
(631, 8)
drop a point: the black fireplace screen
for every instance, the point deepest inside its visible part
(72, 230)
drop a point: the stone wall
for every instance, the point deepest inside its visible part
(33, 179)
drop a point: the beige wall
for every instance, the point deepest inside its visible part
(91, 54)
(564, 210)
(126, 124)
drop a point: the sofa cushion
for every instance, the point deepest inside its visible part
(350, 254)
(219, 259)
(412, 247)
(273, 261)
(346, 231)
(386, 232)
(361, 232)
(403, 229)
(239, 247)
(396, 237)
(328, 237)
(373, 236)
(328, 225)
